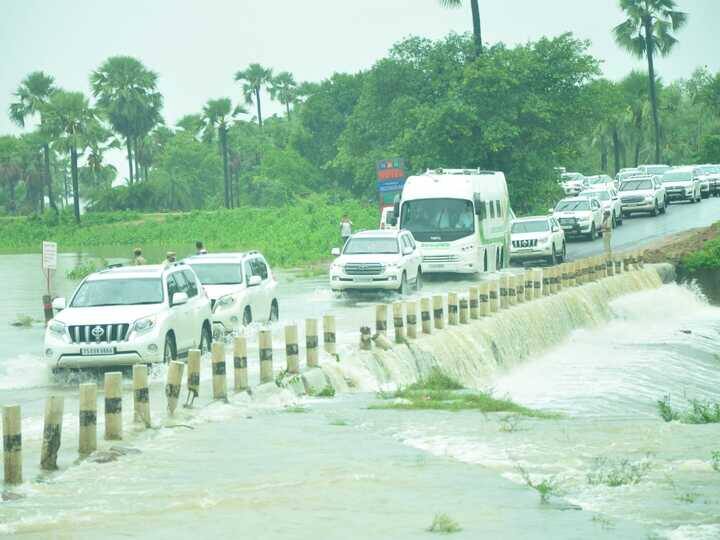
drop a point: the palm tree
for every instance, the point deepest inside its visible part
(69, 120)
(475, 8)
(32, 94)
(217, 113)
(192, 124)
(284, 88)
(635, 93)
(255, 77)
(645, 33)
(10, 168)
(126, 92)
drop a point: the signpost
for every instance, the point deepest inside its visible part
(49, 263)
(390, 180)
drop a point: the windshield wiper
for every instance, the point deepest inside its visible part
(139, 303)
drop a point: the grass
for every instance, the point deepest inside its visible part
(303, 232)
(339, 422)
(707, 257)
(698, 412)
(85, 269)
(689, 497)
(24, 321)
(297, 409)
(444, 524)
(614, 473)
(438, 391)
(328, 392)
(715, 461)
(546, 488)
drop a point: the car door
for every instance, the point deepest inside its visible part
(264, 299)
(406, 256)
(416, 258)
(252, 293)
(198, 308)
(181, 313)
(597, 213)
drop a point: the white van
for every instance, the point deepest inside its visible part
(460, 217)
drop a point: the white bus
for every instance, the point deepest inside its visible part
(460, 217)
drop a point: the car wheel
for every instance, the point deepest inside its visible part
(553, 258)
(205, 339)
(620, 219)
(593, 232)
(655, 210)
(403, 289)
(663, 208)
(564, 253)
(274, 311)
(170, 350)
(247, 316)
(418, 281)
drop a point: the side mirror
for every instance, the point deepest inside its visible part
(407, 251)
(479, 206)
(254, 281)
(335, 252)
(179, 298)
(58, 304)
(551, 210)
(555, 228)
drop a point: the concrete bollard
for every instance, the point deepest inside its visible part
(474, 302)
(173, 385)
(365, 338)
(537, 282)
(219, 371)
(381, 317)
(311, 342)
(512, 290)
(398, 322)
(504, 285)
(193, 376)
(609, 267)
(520, 287)
(113, 406)
(266, 356)
(426, 315)
(555, 279)
(329, 337)
(292, 351)
(87, 432)
(564, 275)
(141, 395)
(617, 263)
(494, 295)
(52, 431)
(411, 319)
(438, 312)
(452, 309)
(484, 298)
(464, 311)
(546, 282)
(528, 288)
(240, 375)
(12, 444)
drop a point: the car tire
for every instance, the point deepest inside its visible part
(663, 208)
(247, 316)
(274, 311)
(563, 257)
(170, 348)
(403, 289)
(205, 339)
(593, 232)
(655, 211)
(553, 258)
(620, 219)
(418, 281)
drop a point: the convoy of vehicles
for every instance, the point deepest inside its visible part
(386, 259)
(573, 183)
(682, 184)
(130, 315)
(241, 288)
(609, 200)
(579, 216)
(711, 175)
(644, 194)
(537, 237)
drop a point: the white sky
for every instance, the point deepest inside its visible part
(197, 46)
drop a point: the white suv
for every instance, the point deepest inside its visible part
(643, 194)
(130, 315)
(385, 260)
(609, 200)
(537, 237)
(579, 216)
(241, 288)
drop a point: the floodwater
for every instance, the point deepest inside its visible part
(284, 467)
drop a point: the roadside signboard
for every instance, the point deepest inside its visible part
(49, 255)
(390, 179)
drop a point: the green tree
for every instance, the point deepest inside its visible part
(648, 31)
(32, 95)
(284, 88)
(69, 119)
(126, 93)
(217, 114)
(10, 169)
(255, 77)
(192, 124)
(475, 9)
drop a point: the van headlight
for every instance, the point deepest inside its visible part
(225, 301)
(142, 326)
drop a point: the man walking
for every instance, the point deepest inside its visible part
(139, 260)
(345, 228)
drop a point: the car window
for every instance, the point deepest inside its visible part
(192, 289)
(411, 240)
(172, 286)
(259, 268)
(248, 269)
(182, 283)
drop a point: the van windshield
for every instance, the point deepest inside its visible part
(218, 274)
(448, 219)
(118, 292)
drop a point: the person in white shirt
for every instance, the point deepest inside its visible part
(345, 228)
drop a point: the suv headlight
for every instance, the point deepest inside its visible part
(225, 301)
(649, 198)
(57, 329)
(334, 267)
(392, 266)
(142, 326)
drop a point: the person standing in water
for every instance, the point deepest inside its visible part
(607, 233)
(345, 228)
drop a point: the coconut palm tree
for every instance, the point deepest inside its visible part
(475, 8)
(192, 124)
(69, 119)
(32, 94)
(217, 113)
(284, 88)
(127, 95)
(255, 77)
(646, 32)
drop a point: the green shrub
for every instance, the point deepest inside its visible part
(616, 473)
(444, 524)
(698, 412)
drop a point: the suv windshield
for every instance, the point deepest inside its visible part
(118, 292)
(218, 274)
(367, 245)
(656, 169)
(570, 206)
(633, 185)
(599, 195)
(540, 225)
(677, 176)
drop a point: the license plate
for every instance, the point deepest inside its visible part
(363, 279)
(568, 227)
(97, 351)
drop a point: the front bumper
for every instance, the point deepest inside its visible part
(141, 350)
(384, 282)
(679, 195)
(577, 228)
(525, 254)
(629, 208)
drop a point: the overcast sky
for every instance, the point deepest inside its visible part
(197, 46)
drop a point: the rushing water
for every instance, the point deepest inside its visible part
(601, 355)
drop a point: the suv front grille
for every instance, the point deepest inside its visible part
(531, 242)
(364, 269)
(440, 258)
(98, 333)
(632, 199)
(567, 221)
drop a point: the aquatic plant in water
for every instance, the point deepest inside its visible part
(715, 461)
(698, 412)
(444, 524)
(616, 473)
(546, 488)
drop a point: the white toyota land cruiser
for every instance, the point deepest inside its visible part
(130, 315)
(241, 288)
